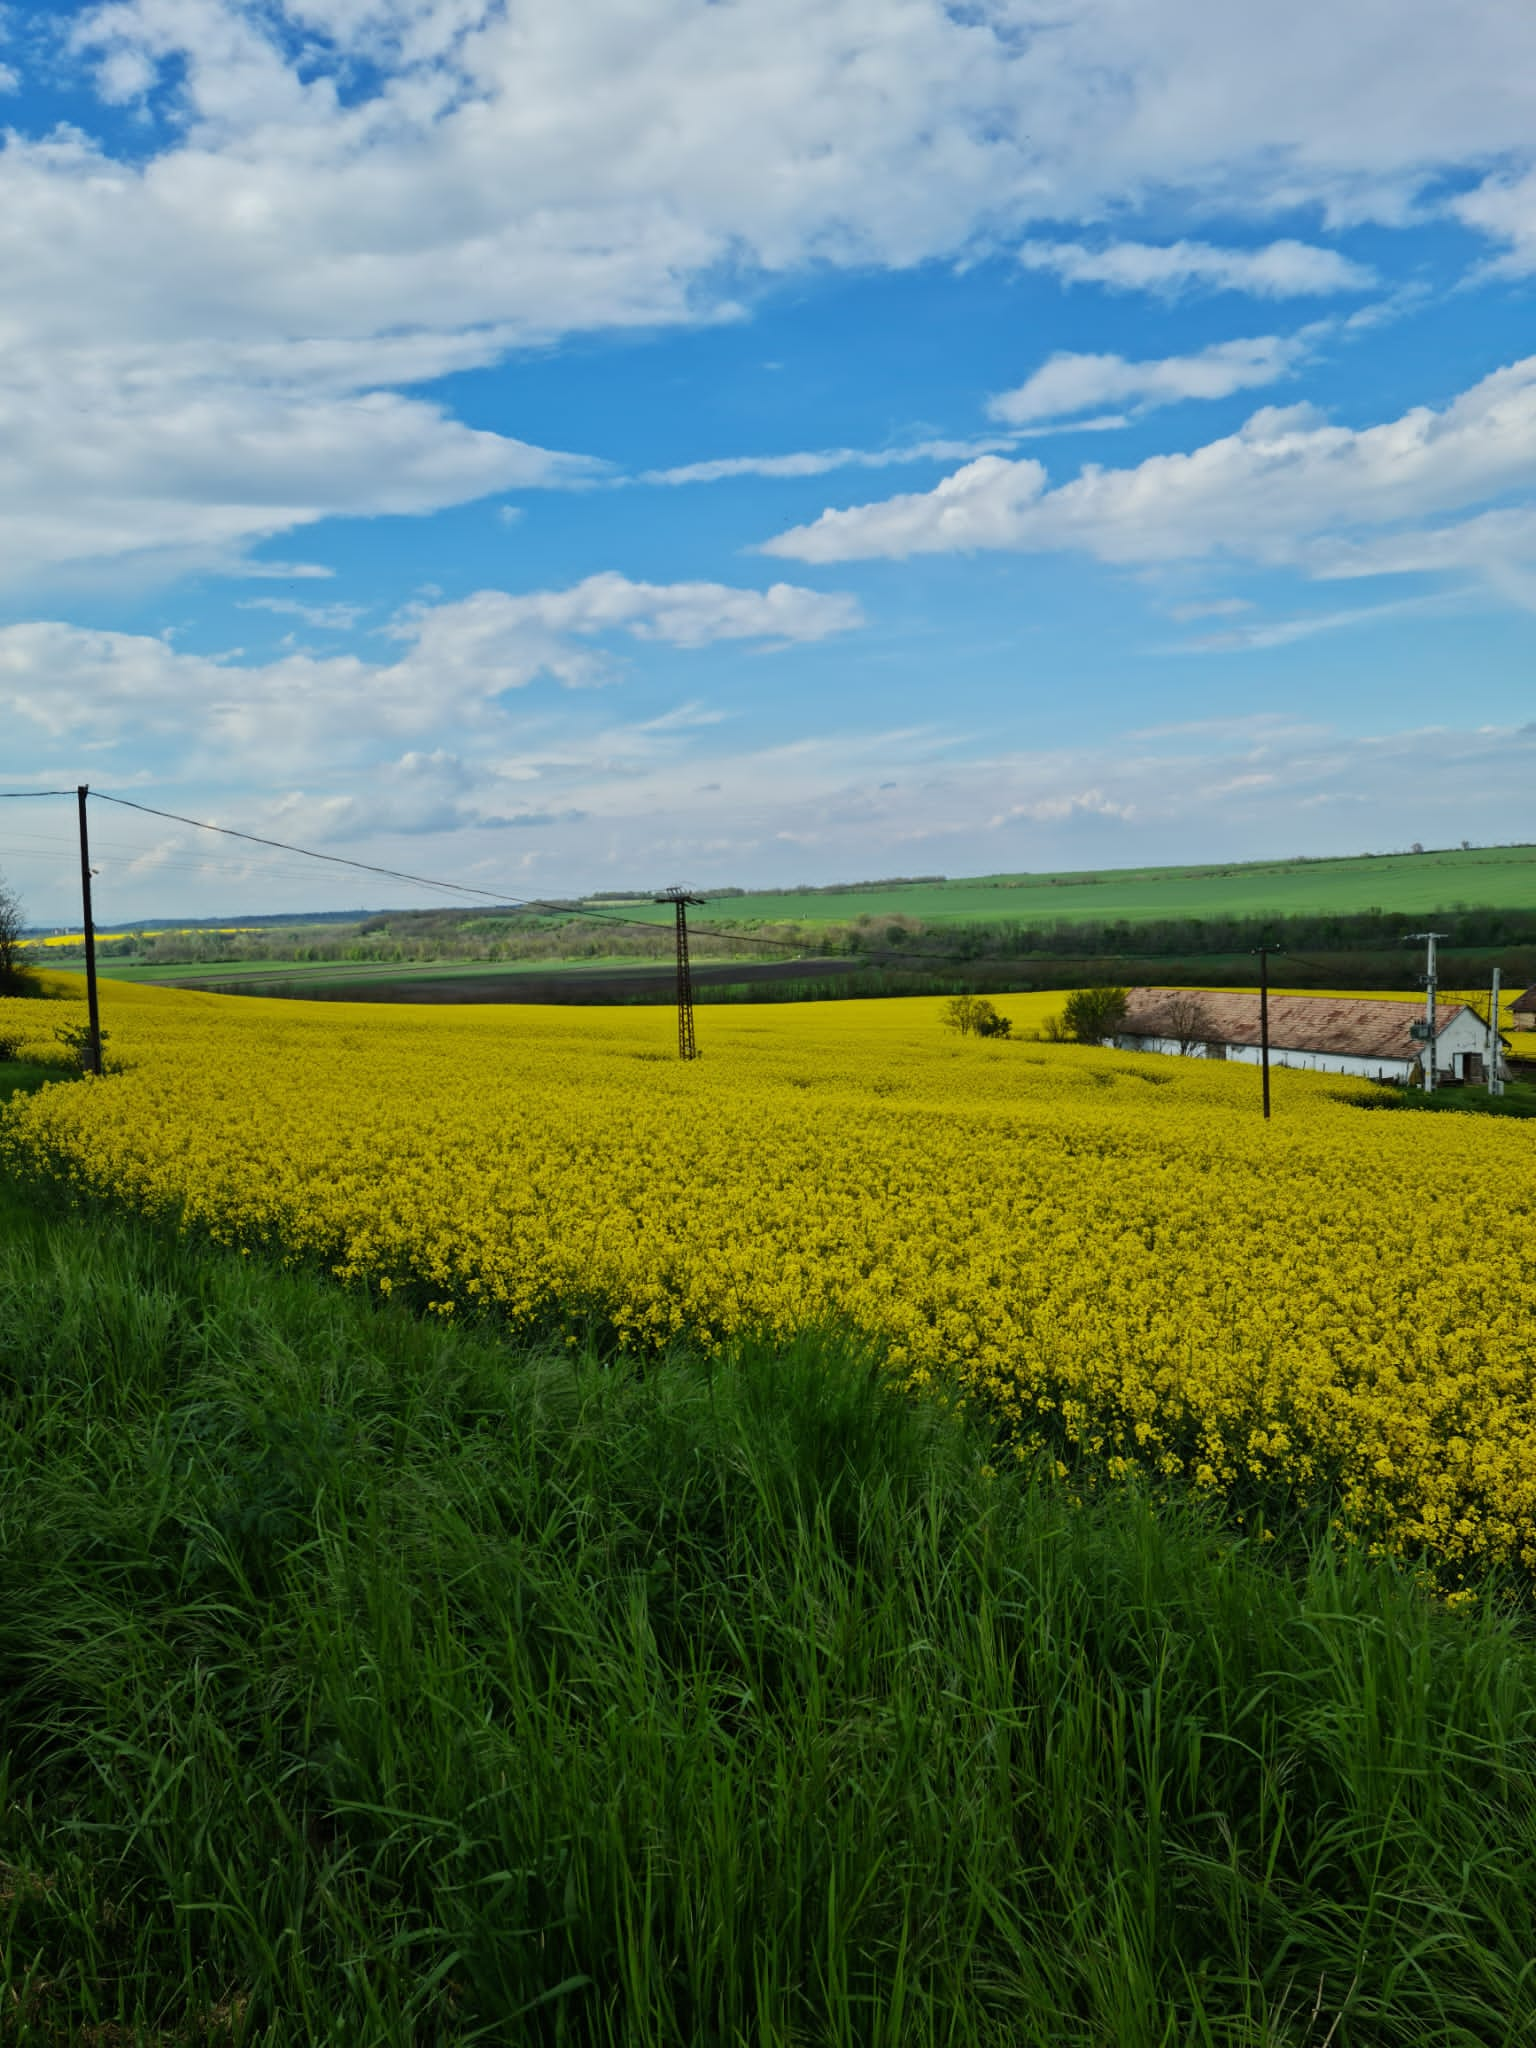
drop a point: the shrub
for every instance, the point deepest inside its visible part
(975, 1015)
(76, 1041)
(1090, 1015)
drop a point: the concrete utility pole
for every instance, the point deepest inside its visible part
(1495, 1070)
(680, 899)
(1431, 1075)
(93, 1012)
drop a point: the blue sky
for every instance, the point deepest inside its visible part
(762, 441)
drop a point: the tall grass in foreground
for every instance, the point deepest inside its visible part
(369, 1682)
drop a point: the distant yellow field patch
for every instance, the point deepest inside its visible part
(167, 932)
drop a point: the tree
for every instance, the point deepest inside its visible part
(1188, 1021)
(1090, 1015)
(14, 979)
(975, 1015)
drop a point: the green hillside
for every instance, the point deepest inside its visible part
(1495, 877)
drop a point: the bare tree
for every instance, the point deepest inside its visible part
(11, 924)
(1188, 1020)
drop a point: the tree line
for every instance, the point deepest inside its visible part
(1371, 930)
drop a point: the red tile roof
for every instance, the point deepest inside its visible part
(1362, 1027)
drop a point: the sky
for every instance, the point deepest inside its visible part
(568, 448)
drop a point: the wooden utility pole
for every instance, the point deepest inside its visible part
(93, 1010)
(679, 898)
(1264, 1023)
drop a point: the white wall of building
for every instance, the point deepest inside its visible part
(1464, 1035)
(1285, 1056)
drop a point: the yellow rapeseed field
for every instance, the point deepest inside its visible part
(1112, 1250)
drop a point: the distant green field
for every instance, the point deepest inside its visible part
(1502, 878)
(1401, 885)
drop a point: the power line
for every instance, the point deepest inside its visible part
(287, 846)
(543, 905)
(9, 794)
(184, 861)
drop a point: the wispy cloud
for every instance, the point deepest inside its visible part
(1211, 608)
(1072, 383)
(1279, 270)
(326, 618)
(1261, 634)
(820, 461)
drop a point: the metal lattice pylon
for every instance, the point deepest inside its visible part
(680, 899)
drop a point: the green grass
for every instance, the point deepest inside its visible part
(1517, 1099)
(369, 1681)
(1497, 877)
(17, 1077)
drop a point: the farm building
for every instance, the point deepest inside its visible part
(1522, 1012)
(1364, 1035)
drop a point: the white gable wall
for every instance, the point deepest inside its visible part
(1465, 1034)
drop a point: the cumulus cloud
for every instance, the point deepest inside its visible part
(1503, 207)
(199, 449)
(1278, 270)
(1287, 487)
(573, 798)
(1069, 383)
(456, 661)
(333, 172)
(660, 136)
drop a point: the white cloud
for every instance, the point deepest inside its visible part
(558, 801)
(1069, 384)
(1211, 608)
(821, 461)
(198, 449)
(1503, 207)
(334, 174)
(10, 80)
(1263, 634)
(457, 660)
(1285, 488)
(660, 137)
(325, 618)
(1481, 543)
(1278, 270)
